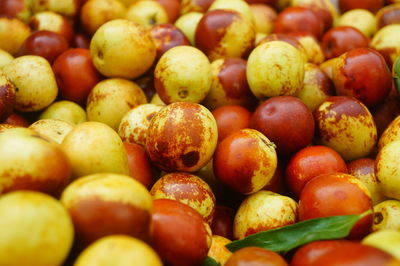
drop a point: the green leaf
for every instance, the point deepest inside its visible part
(396, 73)
(210, 262)
(289, 237)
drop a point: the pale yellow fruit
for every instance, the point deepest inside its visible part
(275, 68)
(312, 49)
(67, 8)
(122, 48)
(187, 23)
(94, 147)
(183, 74)
(51, 21)
(388, 169)
(386, 240)
(360, 19)
(328, 65)
(387, 41)
(95, 13)
(36, 230)
(236, 5)
(259, 38)
(218, 251)
(264, 17)
(65, 110)
(118, 250)
(387, 215)
(33, 77)
(157, 100)
(111, 99)
(391, 133)
(5, 58)
(127, 3)
(263, 210)
(13, 34)
(134, 124)
(53, 129)
(147, 13)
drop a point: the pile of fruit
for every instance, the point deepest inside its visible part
(199, 132)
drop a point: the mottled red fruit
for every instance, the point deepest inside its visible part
(337, 194)
(195, 5)
(363, 74)
(81, 41)
(75, 75)
(172, 8)
(254, 256)
(309, 253)
(388, 15)
(16, 120)
(231, 118)
(296, 18)
(179, 234)
(166, 36)
(7, 100)
(339, 40)
(139, 163)
(286, 121)
(371, 5)
(11, 8)
(44, 43)
(386, 112)
(222, 223)
(311, 162)
(356, 254)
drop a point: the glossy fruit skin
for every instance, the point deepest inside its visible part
(75, 75)
(179, 233)
(222, 223)
(285, 37)
(195, 6)
(187, 189)
(81, 40)
(139, 164)
(362, 73)
(255, 256)
(311, 162)
(245, 161)
(231, 118)
(339, 40)
(7, 97)
(298, 18)
(388, 15)
(309, 253)
(286, 121)
(386, 215)
(172, 8)
(356, 254)
(371, 5)
(387, 43)
(337, 194)
(346, 125)
(46, 44)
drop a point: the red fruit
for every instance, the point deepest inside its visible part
(255, 256)
(139, 164)
(371, 5)
(222, 223)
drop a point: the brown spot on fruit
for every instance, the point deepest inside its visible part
(190, 159)
(378, 217)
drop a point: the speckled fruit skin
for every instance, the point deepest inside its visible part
(118, 250)
(245, 161)
(364, 169)
(134, 124)
(386, 215)
(309, 253)
(111, 99)
(236, 39)
(388, 169)
(337, 194)
(362, 73)
(122, 48)
(341, 39)
(34, 78)
(345, 124)
(52, 21)
(7, 97)
(166, 36)
(262, 211)
(311, 162)
(52, 129)
(317, 86)
(391, 133)
(229, 84)
(275, 68)
(30, 161)
(387, 42)
(179, 234)
(93, 147)
(107, 204)
(187, 189)
(218, 251)
(182, 137)
(286, 121)
(255, 256)
(39, 230)
(183, 74)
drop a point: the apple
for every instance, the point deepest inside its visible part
(95, 13)
(147, 13)
(65, 110)
(15, 32)
(361, 19)
(52, 21)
